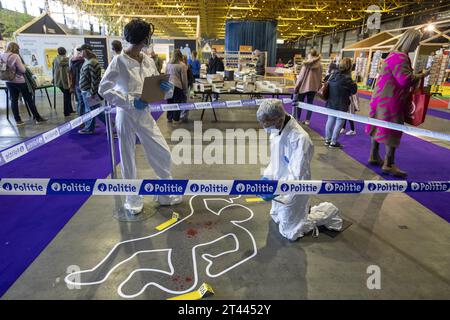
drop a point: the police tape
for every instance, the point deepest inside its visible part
(10, 186)
(301, 105)
(21, 149)
(375, 122)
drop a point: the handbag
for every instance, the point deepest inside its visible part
(30, 81)
(6, 72)
(354, 103)
(324, 91)
(417, 111)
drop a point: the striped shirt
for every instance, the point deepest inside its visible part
(90, 76)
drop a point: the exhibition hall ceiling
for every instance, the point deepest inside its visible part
(178, 18)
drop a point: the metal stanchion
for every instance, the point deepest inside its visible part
(120, 213)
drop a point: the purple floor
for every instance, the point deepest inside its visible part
(432, 112)
(29, 223)
(423, 161)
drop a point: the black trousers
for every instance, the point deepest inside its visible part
(67, 96)
(178, 97)
(309, 99)
(352, 124)
(15, 89)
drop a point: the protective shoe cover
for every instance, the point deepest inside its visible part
(326, 214)
(168, 200)
(134, 204)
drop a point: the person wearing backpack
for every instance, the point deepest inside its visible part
(12, 71)
(62, 79)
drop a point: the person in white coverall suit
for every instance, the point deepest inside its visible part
(291, 154)
(121, 86)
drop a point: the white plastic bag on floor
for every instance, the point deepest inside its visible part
(326, 214)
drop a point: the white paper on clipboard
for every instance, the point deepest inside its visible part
(151, 91)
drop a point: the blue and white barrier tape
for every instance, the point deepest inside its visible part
(379, 123)
(302, 105)
(27, 146)
(212, 187)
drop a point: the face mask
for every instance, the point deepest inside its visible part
(272, 129)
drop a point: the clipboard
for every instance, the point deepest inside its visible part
(151, 92)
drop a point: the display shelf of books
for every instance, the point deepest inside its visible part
(239, 60)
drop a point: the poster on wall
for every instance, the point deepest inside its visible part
(38, 51)
(100, 50)
(162, 50)
(29, 55)
(50, 55)
(186, 46)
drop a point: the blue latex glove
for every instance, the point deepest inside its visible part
(139, 104)
(165, 86)
(264, 178)
(268, 197)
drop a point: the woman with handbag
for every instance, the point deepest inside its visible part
(390, 100)
(308, 82)
(16, 83)
(340, 88)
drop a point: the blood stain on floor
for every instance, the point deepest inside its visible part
(191, 233)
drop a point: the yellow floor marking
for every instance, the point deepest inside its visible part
(204, 291)
(168, 223)
(254, 199)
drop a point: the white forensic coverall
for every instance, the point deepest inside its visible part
(290, 159)
(120, 85)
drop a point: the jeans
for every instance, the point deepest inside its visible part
(309, 99)
(21, 88)
(67, 101)
(80, 102)
(90, 124)
(178, 97)
(332, 129)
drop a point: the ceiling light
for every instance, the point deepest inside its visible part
(430, 27)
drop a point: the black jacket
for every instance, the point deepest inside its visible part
(214, 65)
(75, 69)
(340, 88)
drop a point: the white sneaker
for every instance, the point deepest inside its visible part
(134, 204)
(350, 133)
(342, 131)
(168, 200)
(306, 123)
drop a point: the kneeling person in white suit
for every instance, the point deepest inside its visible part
(291, 154)
(122, 86)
